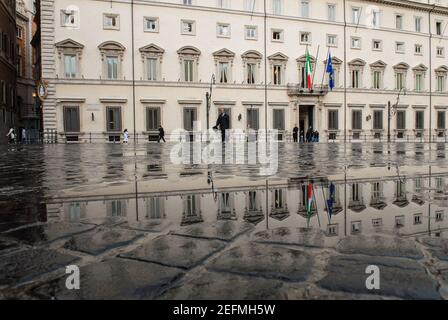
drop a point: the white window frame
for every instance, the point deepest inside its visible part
(282, 35)
(420, 52)
(156, 23)
(303, 33)
(246, 36)
(221, 24)
(331, 5)
(111, 15)
(400, 43)
(442, 54)
(193, 29)
(359, 41)
(335, 44)
(380, 43)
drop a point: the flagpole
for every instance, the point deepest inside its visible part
(317, 209)
(326, 66)
(326, 205)
(315, 65)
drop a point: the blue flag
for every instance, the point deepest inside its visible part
(330, 72)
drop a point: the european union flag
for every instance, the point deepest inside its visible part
(330, 72)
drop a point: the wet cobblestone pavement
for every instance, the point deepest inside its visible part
(140, 227)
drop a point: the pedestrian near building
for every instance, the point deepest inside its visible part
(24, 138)
(11, 135)
(295, 133)
(302, 136)
(125, 136)
(223, 123)
(161, 134)
(309, 134)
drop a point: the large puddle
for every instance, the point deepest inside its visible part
(139, 226)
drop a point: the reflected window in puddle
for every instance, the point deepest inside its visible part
(155, 208)
(226, 210)
(191, 210)
(440, 185)
(304, 202)
(279, 207)
(439, 215)
(377, 223)
(74, 211)
(418, 185)
(332, 230)
(399, 221)
(116, 208)
(356, 198)
(418, 217)
(356, 227)
(401, 200)
(253, 212)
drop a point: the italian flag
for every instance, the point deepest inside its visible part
(310, 197)
(308, 71)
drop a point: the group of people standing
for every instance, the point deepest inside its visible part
(308, 137)
(160, 137)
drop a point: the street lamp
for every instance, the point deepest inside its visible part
(208, 98)
(389, 111)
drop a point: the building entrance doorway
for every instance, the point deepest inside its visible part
(306, 118)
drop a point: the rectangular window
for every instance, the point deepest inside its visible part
(356, 15)
(251, 32)
(356, 192)
(331, 12)
(355, 78)
(252, 201)
(418, 82)
(333, 121)
(377, 80)
(188, 2)
(279, 119)
(277, 74)
(305, 9)
(70, 66)
(401, 120)
(68, 18)
(377, 45)
(188, 70)
(399, 22)
(71, 119)
(332, 40)
(356, 120)
(441, 118)
(152, 119)
(375, 19)
(277, 35)
(154, 208)
(378, 119)
(223, 30)
(439, 28)
(152, 69)
(418, 218)
(399, 80)
(418, 24)
(250, 76)
(253, 118)
(440, 52)
(277, 6)
(112, 68)
(151, 24)
(188, 27)
(190, 116)
(305, 37)
(441, 83)
(419, 120)
(113, 119)
(191, 206)
(111, 21)
(399, 47)
(222, 3)
(249, 5)
(418, 49)
(355, 43)
(223, 72)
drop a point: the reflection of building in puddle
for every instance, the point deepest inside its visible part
(404, 205)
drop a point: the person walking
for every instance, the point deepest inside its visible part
(223, 122)
(24, 136)
(309, 134)
(295, 133)
(161, 134)
(317, 135)
(302, 136)
(125, 136)
(11, 135)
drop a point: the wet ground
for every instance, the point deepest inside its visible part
(140, 227)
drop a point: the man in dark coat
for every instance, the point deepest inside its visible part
(161, 134)
(223, 123)
(309, 134)
(295, 134)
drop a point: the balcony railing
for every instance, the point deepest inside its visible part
(295, 89)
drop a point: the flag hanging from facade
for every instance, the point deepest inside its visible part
(310, 197)
(308, 71)
(331, 200)
(330, 72)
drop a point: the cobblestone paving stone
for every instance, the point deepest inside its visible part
(264, 261)
(100, 240)
(402, 278)
(131, 280)
(293, 236)
(176, 251)
(379, 246)
(24, 265)
(437, 246)
(48, 232)
(220, 230)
